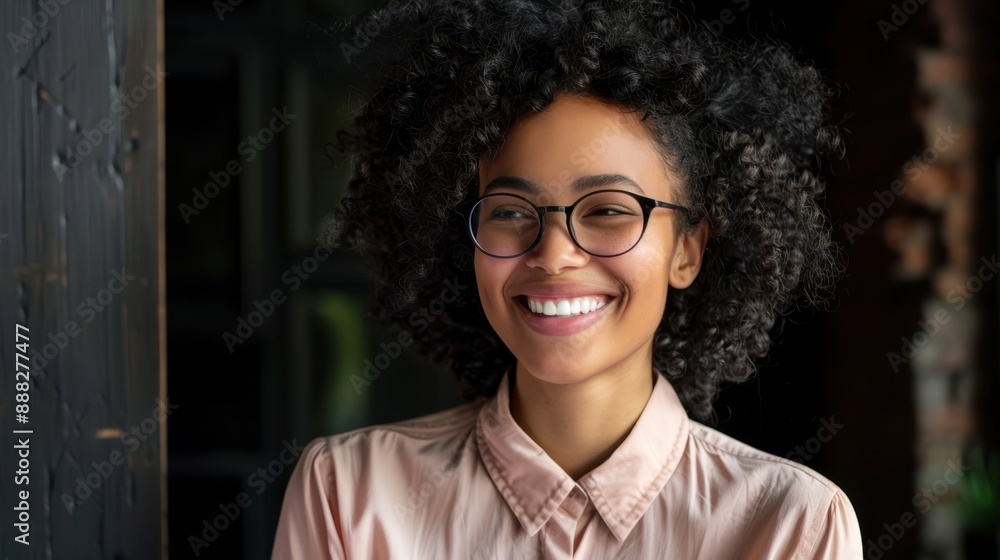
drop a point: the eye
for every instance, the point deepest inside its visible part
(609, 211)
(507, 215)
(508, 212)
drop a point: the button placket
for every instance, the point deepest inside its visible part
(574, 503)
(563, 528)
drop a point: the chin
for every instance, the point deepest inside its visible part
(558, 377)
(559, 367)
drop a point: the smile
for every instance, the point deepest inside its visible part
(564, 307)
(563, 316)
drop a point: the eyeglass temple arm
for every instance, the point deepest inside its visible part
(669, 205)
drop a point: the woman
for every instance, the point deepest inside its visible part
(635, 202)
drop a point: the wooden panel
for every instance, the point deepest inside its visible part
(81, 252)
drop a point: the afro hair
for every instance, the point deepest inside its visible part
(743, 122)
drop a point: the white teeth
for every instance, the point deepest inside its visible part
(565, 307)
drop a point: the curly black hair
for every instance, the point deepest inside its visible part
(743, 122)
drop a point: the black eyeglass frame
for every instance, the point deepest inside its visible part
(647, 204)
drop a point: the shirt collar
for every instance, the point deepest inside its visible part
(621, 488)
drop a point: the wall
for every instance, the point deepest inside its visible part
(80, 271)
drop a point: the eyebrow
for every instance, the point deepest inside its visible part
(584, 183)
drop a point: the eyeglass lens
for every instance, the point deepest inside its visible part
(605, 223)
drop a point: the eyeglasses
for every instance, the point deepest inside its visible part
(604, 223)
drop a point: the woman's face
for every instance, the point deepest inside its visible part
(573, 138)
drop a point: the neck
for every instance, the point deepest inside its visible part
(580, 424)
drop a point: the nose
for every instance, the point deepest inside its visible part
(556, 249)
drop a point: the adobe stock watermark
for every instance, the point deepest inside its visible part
(726, 17)
(580, 158)
(249, 149)
(292, 277)
(570, 345)
(120, 108)
(229, 512)
(898, 17)
(223, 7)
(88, 311)
(419, 320)
(808, 450)
(958, 297)
(923, 501)
(426, 146)
(132, 439)
(913, 169)
(366, 31)
(47, 9)
(417, 497)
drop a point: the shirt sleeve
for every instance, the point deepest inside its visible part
(838, 535)
(310, 526)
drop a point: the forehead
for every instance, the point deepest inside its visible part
(576, 137)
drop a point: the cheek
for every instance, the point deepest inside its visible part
(491, 276)
(643, 271)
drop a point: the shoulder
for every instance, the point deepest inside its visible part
(791, 499)
(406, 441)
(443, 425)
(341, 480)
(707, 444)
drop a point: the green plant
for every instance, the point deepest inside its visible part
(979, 493)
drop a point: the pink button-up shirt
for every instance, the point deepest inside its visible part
(469, 483)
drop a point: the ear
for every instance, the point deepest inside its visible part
(688, 257)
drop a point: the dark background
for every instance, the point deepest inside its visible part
(290, 378)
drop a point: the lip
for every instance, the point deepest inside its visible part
(552, 325)
(549, 290)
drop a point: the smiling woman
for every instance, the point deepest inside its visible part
(581, 380)
(636, 202)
